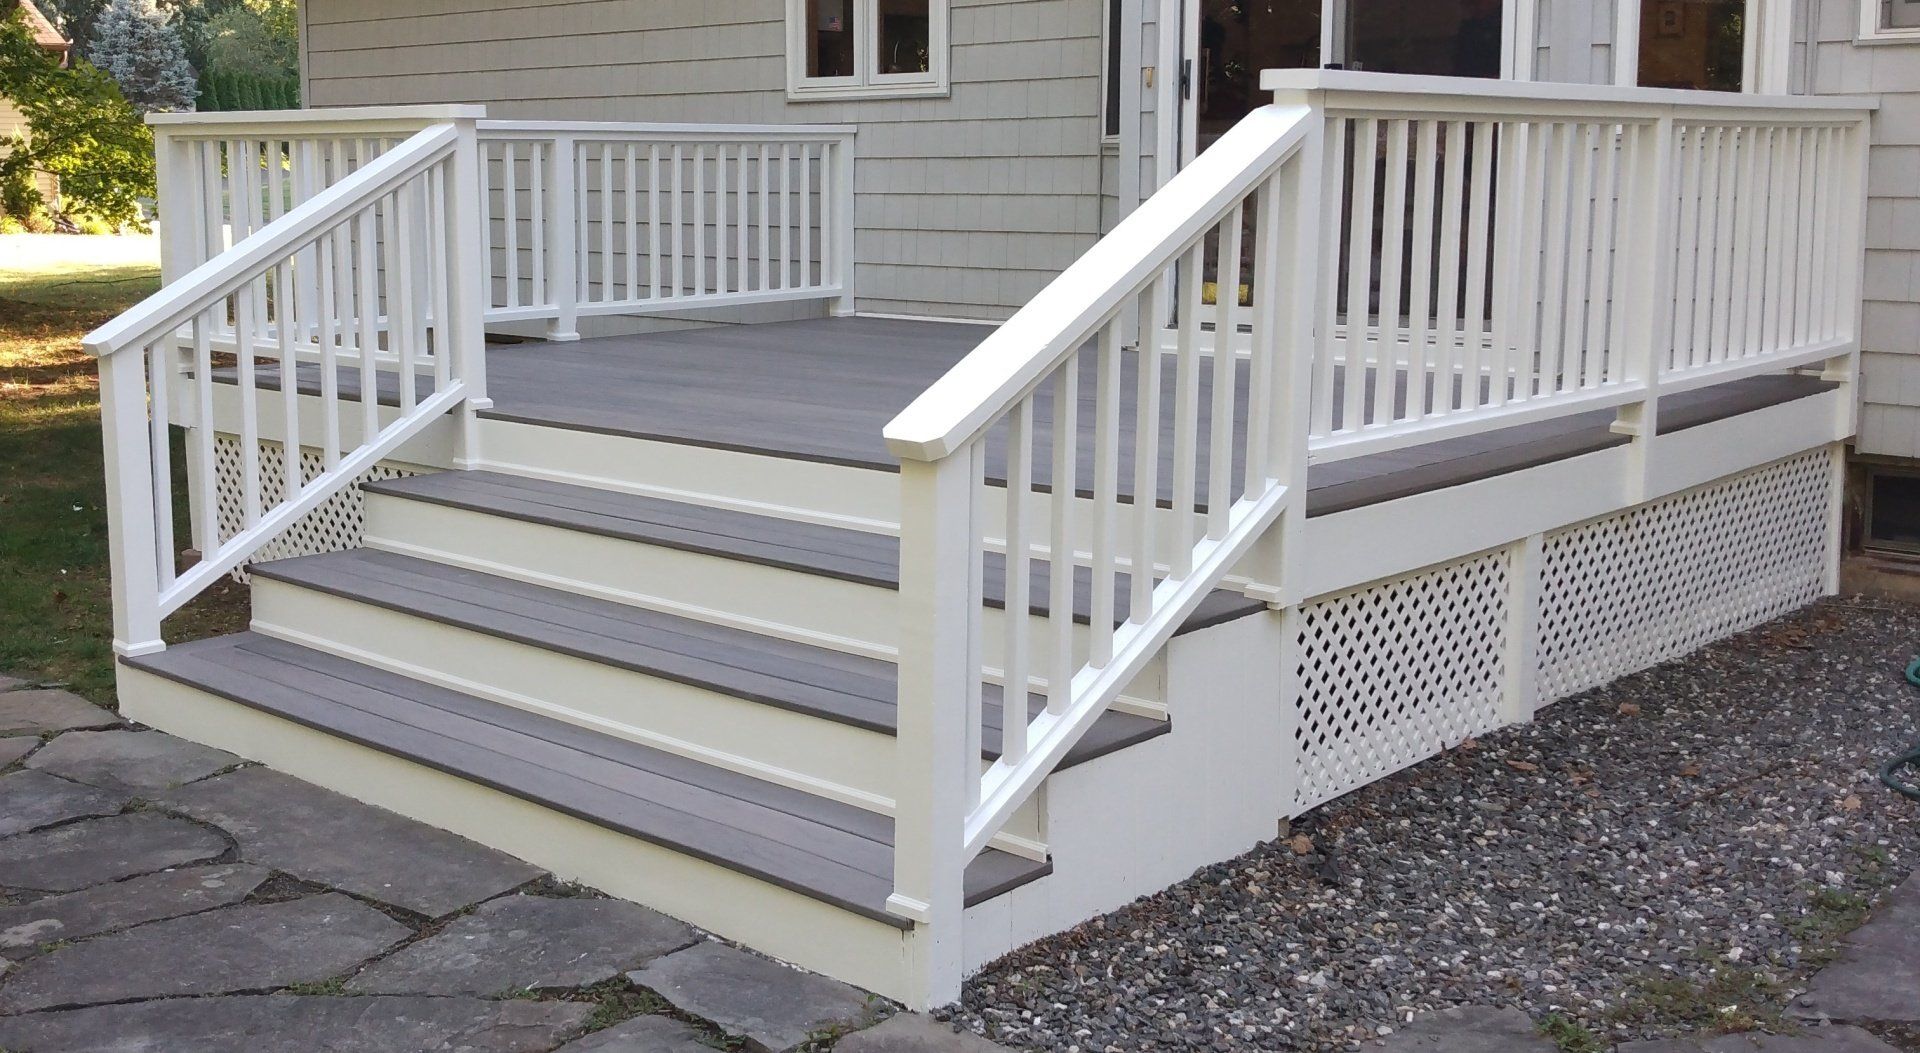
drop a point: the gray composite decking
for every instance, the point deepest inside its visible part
(807, 548)
(833, 685)
(829, 851)
(823, 390)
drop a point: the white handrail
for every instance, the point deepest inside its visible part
(369, 281)
(1006, 365)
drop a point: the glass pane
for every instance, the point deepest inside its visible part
(829, 38)
(1443, 38)
(1692, 44)
(1112, 126)
(1238, 39)
(1901, 14)
(905, 40)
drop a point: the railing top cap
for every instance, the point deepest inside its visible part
(1469, 88)
(589, 128)
(421, 114)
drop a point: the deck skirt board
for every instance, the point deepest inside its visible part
(832, 852)
(850, 555)
(846, 688)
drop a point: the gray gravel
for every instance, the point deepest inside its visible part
(1673, 852)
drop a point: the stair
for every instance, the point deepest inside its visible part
(687, 705)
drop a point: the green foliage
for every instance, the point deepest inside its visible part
(81, 129)
(134, 43)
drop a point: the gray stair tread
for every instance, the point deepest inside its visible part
(829, 851)
(809, 548)
(847, 688)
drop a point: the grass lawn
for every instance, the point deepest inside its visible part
(55, 608)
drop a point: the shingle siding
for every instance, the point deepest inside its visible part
(967, 205)
(1890, 316)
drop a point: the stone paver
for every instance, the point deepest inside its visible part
(9, 683)
(642, 1034)
(134, 901)
(321, 836)
(1468, 1029)
(133, 761)
(49, 710)
(295, 1024)
(233, 949)
(1877, 977)
(766, 1003)
(913, 1033)
(1840, 1039)
(66, 858)
(520, 942)
(16, 747)
(30, 800)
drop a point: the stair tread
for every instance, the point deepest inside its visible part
(820, 848)
(809, 548)
(846, 688)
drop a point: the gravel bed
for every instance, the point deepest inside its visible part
(1677, 850)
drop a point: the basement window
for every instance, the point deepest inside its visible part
(1893, 510)
(839, 49)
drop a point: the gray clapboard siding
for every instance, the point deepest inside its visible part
(1890, 334)
(819, 848)
(968, 204)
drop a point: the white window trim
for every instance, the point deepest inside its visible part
(1872, 32)
(866, 83)
(1769, 41)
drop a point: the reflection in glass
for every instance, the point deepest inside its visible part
(905, 37)
(830, 38)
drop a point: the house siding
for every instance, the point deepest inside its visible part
(12, 123)
(1574, 41)
(1890, 316)
(966, 205)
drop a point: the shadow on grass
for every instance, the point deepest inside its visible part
(56, 612)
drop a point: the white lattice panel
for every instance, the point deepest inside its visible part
(337, 524)
(1397, 672)
(1626, 592)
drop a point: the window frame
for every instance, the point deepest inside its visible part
(867, 82)
(1872, 32)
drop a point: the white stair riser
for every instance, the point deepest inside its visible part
(787, 488)
(762, 915)
(830, 612)
(804, 751)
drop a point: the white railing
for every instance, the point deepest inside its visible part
(598, 218)
(1371, 262)
(1502, 248)
(992, 461)
(364, 295)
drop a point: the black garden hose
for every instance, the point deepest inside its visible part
(1909, 759)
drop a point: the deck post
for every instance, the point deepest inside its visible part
(1649, 293)
(563, 233)
(467, 295)
(843, 226)
(931, 791)
(1521, 693)
(133, 554)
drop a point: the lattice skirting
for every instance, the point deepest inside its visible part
(337, 524)
(1395, 672)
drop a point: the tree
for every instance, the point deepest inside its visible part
(79, 128)
(134, 44)
(253, 39)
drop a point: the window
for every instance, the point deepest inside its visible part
(1893, 510)
(865, 48)
(1110, 108)
(1892, 20)
(1693, 44)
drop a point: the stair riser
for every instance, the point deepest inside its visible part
(835, 495)
(829, 612)
(762, 915)
(824, 757)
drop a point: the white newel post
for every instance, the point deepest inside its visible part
(132, 541)
(563, 234)
(1649, 235)
(843, 227)
(1522, 688)
(932, 769)
(467, 295)
(177, 182)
